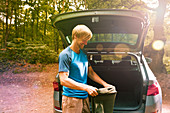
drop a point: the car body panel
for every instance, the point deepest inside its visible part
(153, 103)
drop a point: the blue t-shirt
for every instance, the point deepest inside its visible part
(77, 66)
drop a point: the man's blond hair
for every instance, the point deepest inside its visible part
(81, 31)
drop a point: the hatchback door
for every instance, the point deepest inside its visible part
(119, 30)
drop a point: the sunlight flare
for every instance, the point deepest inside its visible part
(158, 45)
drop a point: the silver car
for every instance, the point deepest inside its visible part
(116, 54)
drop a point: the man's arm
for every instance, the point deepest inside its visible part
(92, 75)
(70, 83)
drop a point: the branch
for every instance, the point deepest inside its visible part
(142, 5)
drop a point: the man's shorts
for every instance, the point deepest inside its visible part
(75, 105)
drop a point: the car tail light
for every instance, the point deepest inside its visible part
(56, 86)
(153, 89)
(57, 93)
(57, 108)
(155, 112)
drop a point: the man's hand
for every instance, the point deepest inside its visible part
(109, 86)
(92, 90)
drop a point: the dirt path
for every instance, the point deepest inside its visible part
(33, 92)
(27, 93)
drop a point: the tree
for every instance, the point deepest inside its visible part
(157, 55)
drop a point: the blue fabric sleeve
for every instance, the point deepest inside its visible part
(64, 62)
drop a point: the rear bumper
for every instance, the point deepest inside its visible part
(127, 111)
(57, 111)
(154, 104)
(60, 111)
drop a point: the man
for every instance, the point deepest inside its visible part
(73, 71)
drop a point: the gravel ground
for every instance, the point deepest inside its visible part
(27, 92)
(33, 92)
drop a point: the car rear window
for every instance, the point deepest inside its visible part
(116, 38)
(110, 37)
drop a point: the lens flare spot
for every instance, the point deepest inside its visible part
(158, 45)
(99, 47)
(122, 48)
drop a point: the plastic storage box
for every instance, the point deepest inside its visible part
(104, 101)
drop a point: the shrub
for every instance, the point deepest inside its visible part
(18, 50)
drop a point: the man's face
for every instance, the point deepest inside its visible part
(82, 41)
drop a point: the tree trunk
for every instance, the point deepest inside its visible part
(55, 47)
(17, 19)
(2, 44)
(9, 28)
(3, 24)
(157, 65)
(33, 33)
(33, 21)
(45, 26)
(37, 18)
(16, 23)
(6, 34)
(24, 26)
(25, 17)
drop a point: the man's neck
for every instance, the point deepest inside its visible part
(75, 48)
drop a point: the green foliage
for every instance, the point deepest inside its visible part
(17, 42)
(19, 53)
(5, 64)
(19, 50)
(113, 4)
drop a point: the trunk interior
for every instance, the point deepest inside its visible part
(125, 76)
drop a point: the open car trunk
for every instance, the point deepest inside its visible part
(125, 76)
(114, 31)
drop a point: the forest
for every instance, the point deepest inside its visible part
(27, 34)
